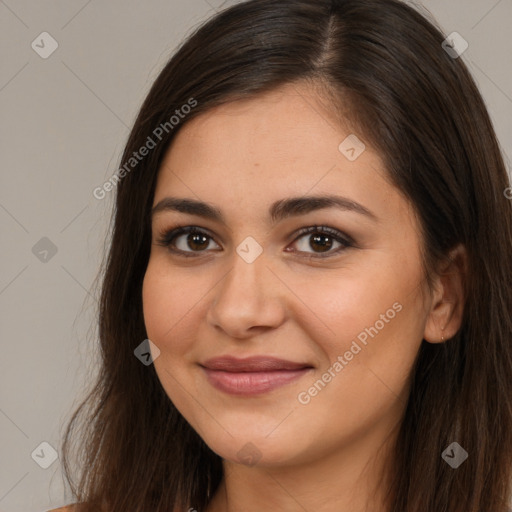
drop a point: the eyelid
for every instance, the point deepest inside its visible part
(333, 232)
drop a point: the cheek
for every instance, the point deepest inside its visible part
(380, 310)
(345, 305)
(165, 306)
(154, 304)
(168, 318)
(377, 324)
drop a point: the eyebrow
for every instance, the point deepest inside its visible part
(279, 210)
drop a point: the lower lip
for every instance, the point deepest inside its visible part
(252, 383)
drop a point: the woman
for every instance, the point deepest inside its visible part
(307, 298)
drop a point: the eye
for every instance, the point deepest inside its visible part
(324, 239)
(197, 240)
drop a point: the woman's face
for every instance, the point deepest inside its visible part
(343, 307)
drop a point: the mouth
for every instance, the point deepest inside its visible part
(253, 375)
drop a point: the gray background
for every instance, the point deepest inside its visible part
(64, 121)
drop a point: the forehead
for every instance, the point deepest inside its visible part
(284, 143)
(289, 124)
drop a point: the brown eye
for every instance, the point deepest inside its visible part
(186, 240)
(196, 241)
(314, 241)
(321, 239)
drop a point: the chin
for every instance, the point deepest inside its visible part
(253, 448)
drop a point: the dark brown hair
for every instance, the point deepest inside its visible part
(382, 61)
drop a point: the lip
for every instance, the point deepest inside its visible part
(252, 364)
(253, 375)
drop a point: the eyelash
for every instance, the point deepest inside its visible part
(166, 238)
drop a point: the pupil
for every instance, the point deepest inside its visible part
(321, 240)
(194, 238)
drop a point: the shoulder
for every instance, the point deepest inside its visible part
(69, 508)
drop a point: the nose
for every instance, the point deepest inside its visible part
(248, 300)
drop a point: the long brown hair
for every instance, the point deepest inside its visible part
(381, 65)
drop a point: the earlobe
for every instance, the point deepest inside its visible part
(446, 311)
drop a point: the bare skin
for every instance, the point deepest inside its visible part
(298, 300)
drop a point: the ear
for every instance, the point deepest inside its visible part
(447, 307)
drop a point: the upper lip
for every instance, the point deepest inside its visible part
(252, 364)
